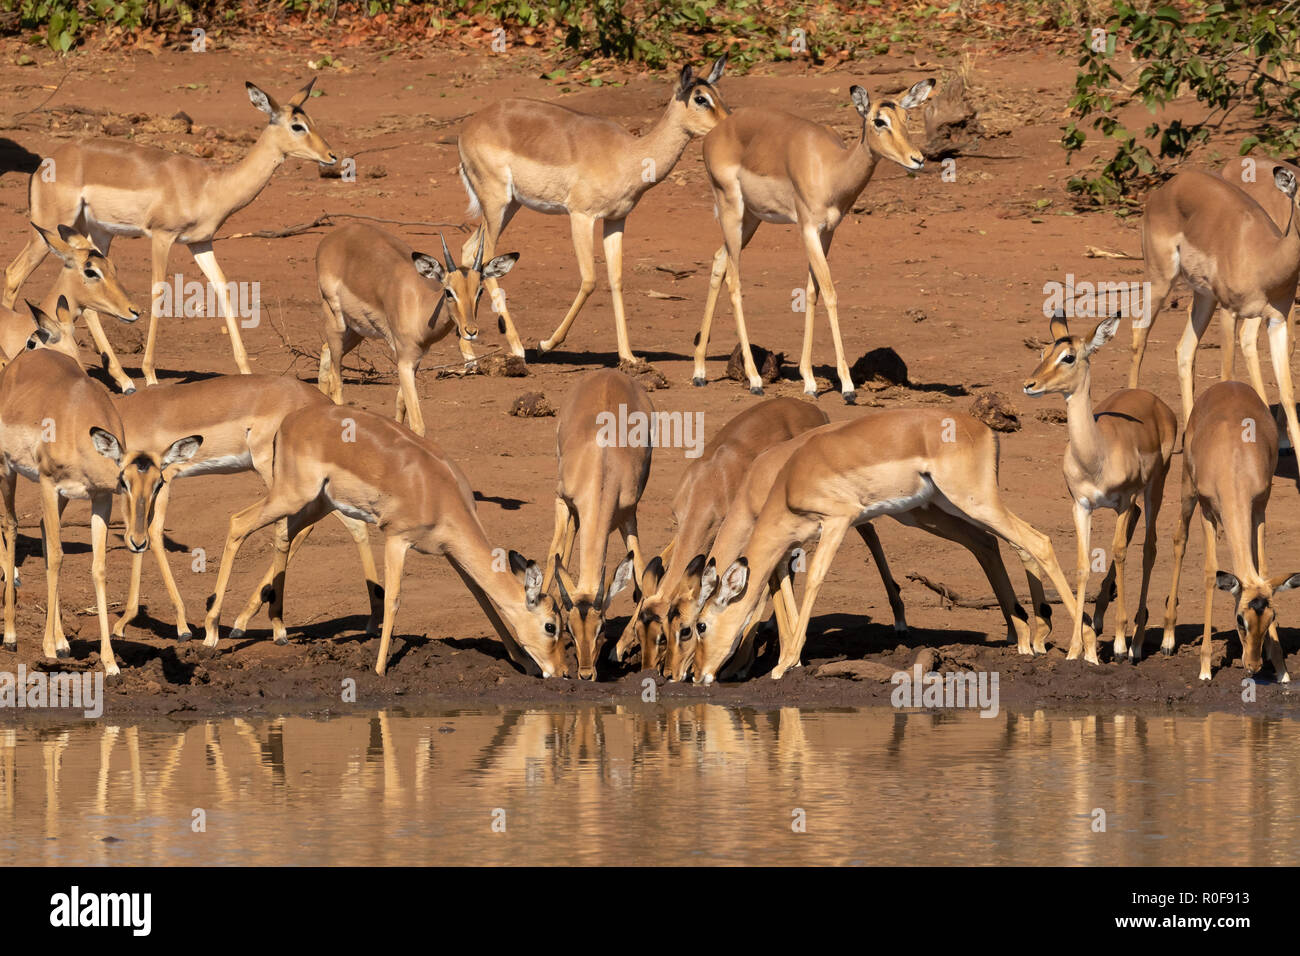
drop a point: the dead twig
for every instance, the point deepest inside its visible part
(1092, 252)
(326, 219)
(952, 599)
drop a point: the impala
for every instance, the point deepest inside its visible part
(61, 430)
(1229, 456)
(108, 188)
(887, 463)
(238, 416)
(600, 484)
(766, 165)
(1227, 247)
(373, 285)
(520, 152)
(330, 457)
(1115, 453)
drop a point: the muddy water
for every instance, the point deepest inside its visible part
(698, 784)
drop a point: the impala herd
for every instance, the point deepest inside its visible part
(776, 479)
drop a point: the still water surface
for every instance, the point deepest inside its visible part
(694, 784)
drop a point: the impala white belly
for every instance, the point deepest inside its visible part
(350, 511)
(900, 504)
(552, 207)
(93, 222)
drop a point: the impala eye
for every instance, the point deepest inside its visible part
(662, 639)
(702, 101)
(701, 627)
(1241, 622)
(549, 627)
(1067, 358)
(90, 273)
(881, 123)
(298, 128)
(684, 634)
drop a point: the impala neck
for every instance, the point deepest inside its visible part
(856, 170)
(663, 145)
(473, 555)
(238, 185)
(1086, 443)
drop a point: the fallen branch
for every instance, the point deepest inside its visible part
(953, 599)
(326, 219)
(1092, 252)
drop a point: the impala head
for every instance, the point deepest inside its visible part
(698, 99)
(681, 621)
(291, 128)
(1255, 613)
(88, 277)
(462, 286)
(539, 633)
(720, 617)
(54, 332)
(884, 124)
(139, 479)
(1065, 362)
(585, 613)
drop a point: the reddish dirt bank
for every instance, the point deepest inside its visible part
(949, 274)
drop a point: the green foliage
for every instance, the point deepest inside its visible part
(1236, 58)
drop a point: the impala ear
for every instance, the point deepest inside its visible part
(622, 578)
(500, 265)
(57, 244)
(1103, 333)
(715, 74)
(303, 94)
(1059, 327)
(106, 444)
(1284, 180)
(1285, 583)
(652, 575)
(708, 582)
(1225, 581)
(428, 266)
(48, 331)
(532, 585)
(917, 94)
(685, 81)
(181, 450)
(734, 582)
(861, 100)
(263, 101)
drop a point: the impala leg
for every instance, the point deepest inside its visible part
(161, 249)
(895, 595)
(360, 533)
(242, 523)
(1083, 532)
(290, 529)
(1108, 583)
(52, 646)
(632, 542)
(407, 395)
(132, 607)
(9, 523)
(1279, 352)
(738, 227)
(1228, 359)
(394, 560)
(330, 377)
(1153, 496)
(816, 243)
(833, 530)
(613, 242)
(262, 593)
(1197, 322)
(706, 325)
(106, 353)
(1187, 502)
(1125, 525)
(24, 264)
(583, 245)
(1162, 270)
(101, 510)
(1211, 573)
(207, 261)
(1249, 329)
(805, 356)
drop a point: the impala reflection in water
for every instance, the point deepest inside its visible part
(644, 784)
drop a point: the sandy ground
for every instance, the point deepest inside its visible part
(949, 274)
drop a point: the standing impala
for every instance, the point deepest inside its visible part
(238, 416)
(60, 429)
(1229, 456)
(707, 490)
(108, 188)
(520, 152)
(1116, 453)
(601, 480)
(373, 285)
(886, 463)
(770, 166)
(331, 457)
(87, 281)
(1227, 247)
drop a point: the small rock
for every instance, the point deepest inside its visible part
(996, 411)
(503, 366)
(376, 172)
(916, 315)
(644, 374)
(882, 364)
(767, 362)
(1053, 416)
(532, 405)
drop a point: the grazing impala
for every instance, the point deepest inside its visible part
(770, 166)
(1229, 456)
(108, 188)
(600, 484)
(87, 281)
(1227, 247)
(238, 416)
(887, 463)
(520, 152)
(60, 429)
(706, 491)
(332, 457)
(1120, 451)
(738, 527)
(373, 285)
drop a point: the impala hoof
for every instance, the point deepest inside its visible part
(810, 392)
(699, 381)
(236, 633)
(756, 390)
(1167, 651)
(282, 640)
(850, 398)
(62, 652)
(184, 636)
(129, 390)
(112, 670)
